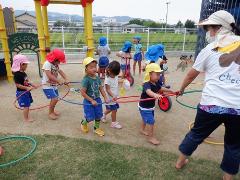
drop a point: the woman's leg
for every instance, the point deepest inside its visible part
(231, 157)
(205, 123)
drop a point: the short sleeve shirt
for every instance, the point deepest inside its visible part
(21, 78)
(113, 83)
(154, 88)
(138, 48)
(54, 69)
(103, 51)
(92, 86)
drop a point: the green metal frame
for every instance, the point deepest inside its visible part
(24, 41)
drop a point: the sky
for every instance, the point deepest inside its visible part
(146, 9)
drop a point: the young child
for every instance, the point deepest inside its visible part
(19, 66)
(90, 90)
(111, 88)
(151, 89)
(163, 62)
(139, 54)
(103, 51)
(50, 79)
(125, 55)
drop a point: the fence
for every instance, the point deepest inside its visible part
(71, 39)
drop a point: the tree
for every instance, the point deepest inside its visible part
(136, 21)
(179, 24)
(64, 24)
(189, 24)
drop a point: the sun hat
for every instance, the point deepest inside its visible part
(127, 45)
(17, 61)
(152, 67)
(154, 52)
(88, 60)
(137, 38)
(56, 54)
(102, 41)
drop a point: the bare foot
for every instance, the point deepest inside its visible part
(181, 163)
(28, 120)
(153, 141)
(57, 113)
(144, 133)
(52, 116)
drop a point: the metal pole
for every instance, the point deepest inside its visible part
(148, 37)
(167, 3)
(63, 42)
(184, 39)
(107, 35)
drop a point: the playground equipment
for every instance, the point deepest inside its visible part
(43, 38)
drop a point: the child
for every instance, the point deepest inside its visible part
(111, 87)
(103, 51)
(125, 56)
(163, 62)
(50, 79)
(139, 54)
(151, 88)
(19, 66)
(91, 85)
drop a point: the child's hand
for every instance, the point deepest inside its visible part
(94, 103)
(114, 98)
(30, 88)
(106, 100)
(157, 96)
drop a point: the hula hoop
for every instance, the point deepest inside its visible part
(39, 107)
(186, 105)
(205, 140)
(120, 100)
(34, 145)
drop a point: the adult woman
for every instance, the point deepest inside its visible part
(220, 102)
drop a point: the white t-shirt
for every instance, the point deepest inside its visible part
(48, 67)
(222, 84)
(123, 60)
(103, 51)
(113, 83)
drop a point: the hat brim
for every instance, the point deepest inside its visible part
(207, 22)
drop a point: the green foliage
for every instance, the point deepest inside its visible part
(64, 24)
(189, 24)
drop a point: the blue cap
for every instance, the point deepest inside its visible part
(127, 45)
(102, 41)
(154, 52)
(137, 38)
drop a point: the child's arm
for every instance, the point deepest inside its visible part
(52, 77)
(63, 76)
(118, 54)
(103, 93)
(110, 92)
(153, 94)
(27, 88)
(84, 94)
(163, 89)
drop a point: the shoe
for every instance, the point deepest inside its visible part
(84, 128)
(103, 119)
(116, 125)
(99, 132)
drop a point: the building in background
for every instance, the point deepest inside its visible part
(25, 22)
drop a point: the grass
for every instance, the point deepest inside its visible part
(173, 42)
(59, 157)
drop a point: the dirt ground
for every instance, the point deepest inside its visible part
(171, 126)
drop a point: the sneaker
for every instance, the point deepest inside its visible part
(99, 132)
(116, 125)
(84, 128)
(103, 119)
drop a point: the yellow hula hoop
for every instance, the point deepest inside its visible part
(205, 140)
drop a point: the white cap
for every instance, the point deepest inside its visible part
(221, 17)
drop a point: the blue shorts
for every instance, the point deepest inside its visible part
(25, 100)
(147, 116)
(92, 112)
(112, 107)
(137, 57)
(103, 62)
(51, 93)
(123, 67)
